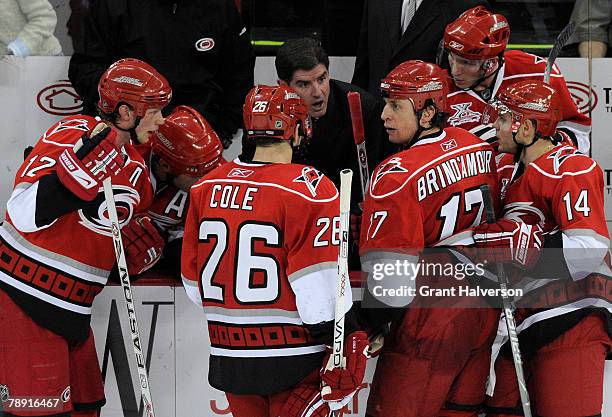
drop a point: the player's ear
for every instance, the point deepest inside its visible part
(427, 116)
(124, 112)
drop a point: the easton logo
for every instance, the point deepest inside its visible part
(59, 99)
(205, 44)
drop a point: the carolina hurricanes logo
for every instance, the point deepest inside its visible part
(77, 124)
(561, 155)
(95, 218)
(393, 165)
(205, 44)
(311, 177)
(524, 211)
(463, 114)
(65, 397)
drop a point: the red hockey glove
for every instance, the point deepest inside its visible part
(340, 384)
(305, 400)
(92, 159)
(509, 241)
(143, 245)
(355, 222)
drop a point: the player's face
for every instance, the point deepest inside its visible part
(503, 128)
(149, 123)
(400, 120)
(184, 181)
(313, 87)
(465, 72)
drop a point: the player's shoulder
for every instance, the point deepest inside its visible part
(296, 180)
(69, 129)
(392, 174)
(522, 64)
(565, 160)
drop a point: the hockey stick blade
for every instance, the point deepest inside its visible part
(129, 299)
(354, 101)
(559, 44)
(508, 310)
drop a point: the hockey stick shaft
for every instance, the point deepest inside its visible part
(354, 100)
(559, 44)
(508, 311)
(338, 360)
(129, 299)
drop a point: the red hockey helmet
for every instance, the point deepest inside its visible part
(527, 99)
(477, 34)
(274, 112)
(134, 82)
(418, 81)
(187, 143)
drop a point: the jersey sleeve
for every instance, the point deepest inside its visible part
(311, 242)
(578, 208)
(391, 232)
(38, 197)
(189, 254)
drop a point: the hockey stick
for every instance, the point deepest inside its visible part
(508, 311)
(129, 300)
(559, 44)
(354, 100)
(338, 359)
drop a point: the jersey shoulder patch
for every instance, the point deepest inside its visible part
(391, 174)
(564, 160)
(69, 129)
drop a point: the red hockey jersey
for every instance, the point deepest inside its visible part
(465, 106)
(54, 271)
(427, 193)
(563, 191)
(260, 254)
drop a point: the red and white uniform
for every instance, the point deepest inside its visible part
(435, 358)
(563, 191)
(260, 254)
(51, 268)
(465, 107)
(54, 271)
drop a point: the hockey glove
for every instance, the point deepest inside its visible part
(509, 241)
(340, 384)
(355, 221)
(143, 245)
(82, 168)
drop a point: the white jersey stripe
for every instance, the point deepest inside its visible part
(266, 353)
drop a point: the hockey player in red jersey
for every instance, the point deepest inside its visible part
(56, 250)
(260, 254)
(480, 67)
(563, 318)
(435, 360)
(183, 150)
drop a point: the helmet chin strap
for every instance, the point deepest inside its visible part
(486, 93)
(520, 147)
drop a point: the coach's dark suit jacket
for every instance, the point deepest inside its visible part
(380, 46)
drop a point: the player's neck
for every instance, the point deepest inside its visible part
(536, 150)
(279, 153)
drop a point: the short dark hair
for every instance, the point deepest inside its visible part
(299, 54)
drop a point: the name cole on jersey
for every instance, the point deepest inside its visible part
(258, 292)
